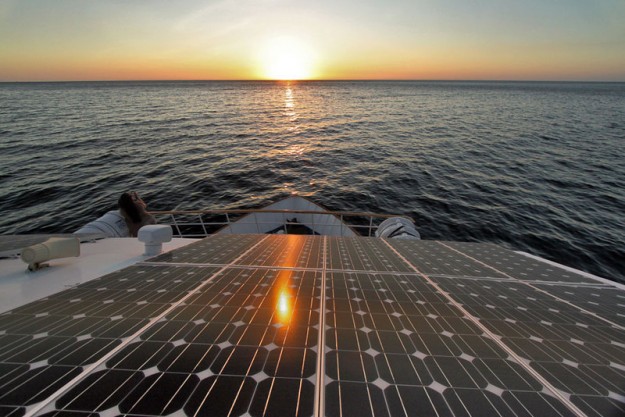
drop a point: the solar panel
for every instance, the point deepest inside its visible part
(570, 348)
(232, 355)
(361, 254)
(308, 325)
(287, 251)
(514, 265)
(388, 361)
(218, 249)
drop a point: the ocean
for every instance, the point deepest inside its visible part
(537, 167)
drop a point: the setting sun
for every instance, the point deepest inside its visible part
(286, 58)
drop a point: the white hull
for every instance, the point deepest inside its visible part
(266, 222)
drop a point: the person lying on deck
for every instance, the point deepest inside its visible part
(124, 222)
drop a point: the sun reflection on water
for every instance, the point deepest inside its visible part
(288, 101)
(289, 104)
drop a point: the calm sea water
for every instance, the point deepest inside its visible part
(538, 167)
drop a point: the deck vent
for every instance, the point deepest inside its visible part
(154, 236)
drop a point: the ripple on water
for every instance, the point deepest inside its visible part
(535, 167)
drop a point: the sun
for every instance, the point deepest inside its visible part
(286, 58)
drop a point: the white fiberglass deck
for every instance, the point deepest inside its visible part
(325, 326)
(18, 286)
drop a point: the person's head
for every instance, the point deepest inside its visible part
(128, 204)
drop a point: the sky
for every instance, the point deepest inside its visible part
(65, 40)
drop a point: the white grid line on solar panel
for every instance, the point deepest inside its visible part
(566, 345)
(520, 286)
(448, 344)
(577, 380)
(596, 285)
(245, 267)
(214, 249)
(296, 268)
(239, 343)
(414, 401)
(48, 402)
(389, 314)
(127, 286)
(28, 387)
(576, 372)
(47, 350)
(597, 279)
(275, 248)
(534, 285)
(493, 296)
(66, 314)
(513, 264)
(571, 350)
(316, 257)
(77, 308)
(512, 354)
(287, 251)
(517, 302)
(505, 306)
(622, 327)
(219, 402)
(600, 406)
(432, 258)
(245, 304)
(468, 278)
(587, 341)
(408, 292)
(362, 254)
(357, 347)
(319, 395)
(605, 300)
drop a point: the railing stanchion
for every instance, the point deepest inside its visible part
(173, 218)
(370, 225)
(228, 223)
(203, 226)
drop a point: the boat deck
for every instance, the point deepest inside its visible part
(291, 325)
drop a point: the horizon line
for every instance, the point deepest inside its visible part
(316, 80)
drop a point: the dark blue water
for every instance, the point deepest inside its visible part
(538, 167)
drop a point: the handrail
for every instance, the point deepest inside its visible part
(250, 211)
(187, 227)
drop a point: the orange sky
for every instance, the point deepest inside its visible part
(265, 39)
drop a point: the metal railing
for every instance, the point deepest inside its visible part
(201, 223)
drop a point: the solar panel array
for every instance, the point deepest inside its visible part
(282, 325)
